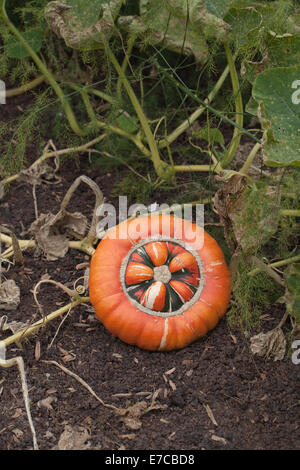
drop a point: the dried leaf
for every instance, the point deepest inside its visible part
(222, 204)
(18, 433)
(13, 326)
(132, 415)
(83, 25)
(270, 345)
(46, 403)
(9, 295)
(17, 413)
(73, 438)
(250, 216)
(39, 171)
(51, 232)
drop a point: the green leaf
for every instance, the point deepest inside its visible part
(83, 14)
(127, 123)
(243, 21)
(252, 107)
(14, 49)
(277, 91)
(218, 7)
(181, 26)
(283, 51)
(212, 135)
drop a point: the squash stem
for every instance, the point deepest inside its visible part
(290, 212)
(245, 168)
(277, 264)
(162, 169)
(26, 87)
(233, 146)
(26, 331)
(185, 168)
(124, 66)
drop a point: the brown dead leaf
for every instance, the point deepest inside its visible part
(131, 416)
(223, 204)
(17, 413)
(41, 170)
(270, 345)
(73, 438)
(46, 403)
(13, 326)
(250, 217)
(18, 433)
(9, 295)
(52, 232)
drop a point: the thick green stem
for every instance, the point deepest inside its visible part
(121, 132)
(290, 212)
(100, 94)
(245, 168)
(125, 63)
(277, 264)
(46, 72)
(24, 332)
(162, 169)
(233, 146)
(24, 88)
(185, 168)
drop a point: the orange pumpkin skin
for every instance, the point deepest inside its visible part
(159, 314)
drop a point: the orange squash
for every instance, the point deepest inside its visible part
(153, 285)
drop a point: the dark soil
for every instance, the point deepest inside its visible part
(254, 402)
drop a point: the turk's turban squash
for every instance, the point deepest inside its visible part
(159, 282)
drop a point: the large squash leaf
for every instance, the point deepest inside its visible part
(277, 91)
(83, 24)
(244, 22)
(218, 7)
(178, 25)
